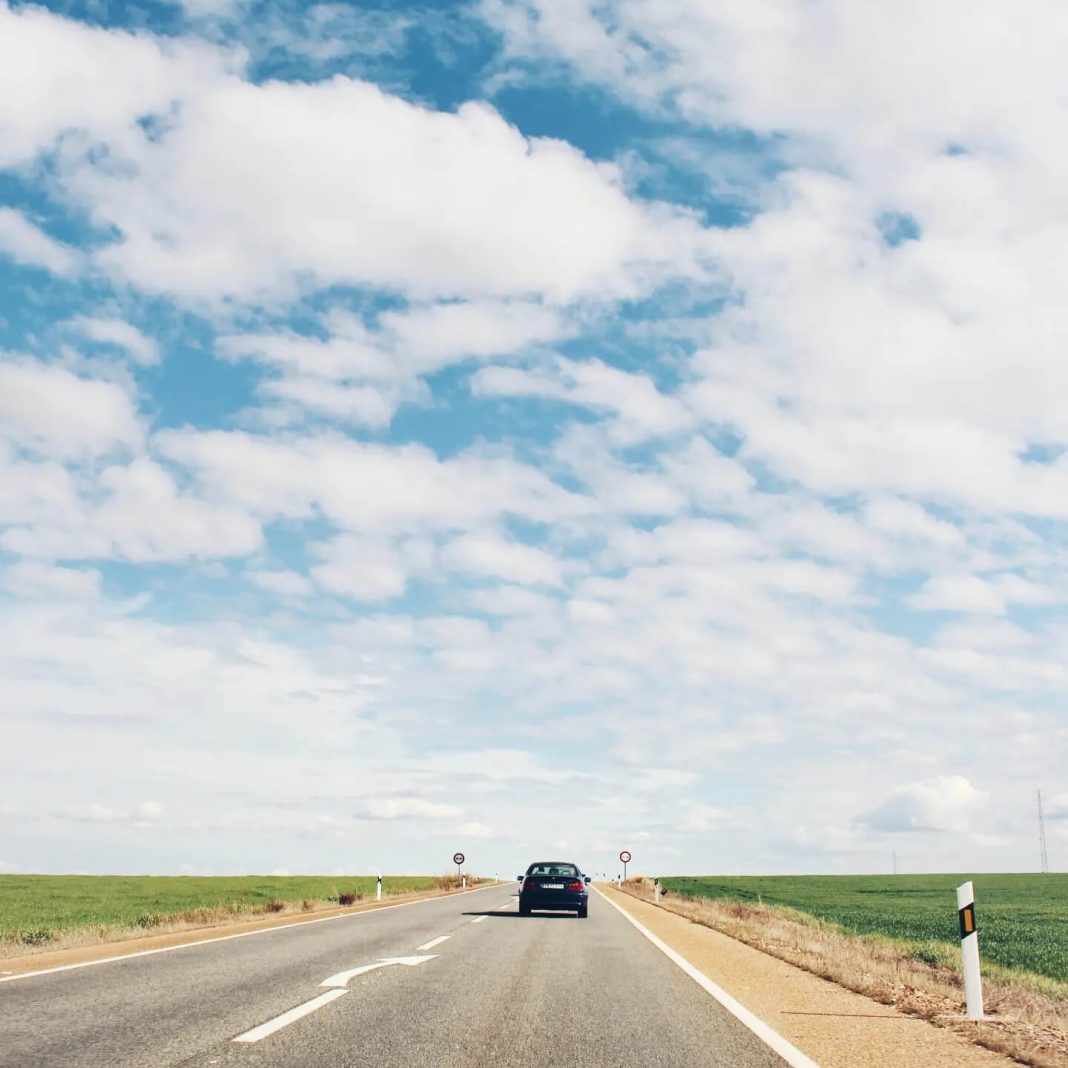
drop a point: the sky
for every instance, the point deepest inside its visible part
(533, 428)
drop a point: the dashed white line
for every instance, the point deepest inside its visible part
(287, 1018)
(479, 919)
(434, 942)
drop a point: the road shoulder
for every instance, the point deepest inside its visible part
(832, 1025)
(76, 956)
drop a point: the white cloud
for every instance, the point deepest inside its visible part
(945, 803)
(366, 569)
(140, 348)
(404, 808)
(640, 409)
(139, 514)
(28, 578)
(959, 593)
(492, 555)
(364, 487)
(284, 583)
(143, 815)
(26, 243)
(432, 204)
(45, 408)
(59, 76)
(427, 337)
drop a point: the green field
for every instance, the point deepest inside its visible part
(1023, 919)
(34, 909)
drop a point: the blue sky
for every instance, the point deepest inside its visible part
(521, 426)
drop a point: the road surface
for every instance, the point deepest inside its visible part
(477, 985)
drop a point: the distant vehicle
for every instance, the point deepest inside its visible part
(556, 885)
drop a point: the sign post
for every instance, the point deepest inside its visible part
(458, 859)
(969, 947)
(625, 858)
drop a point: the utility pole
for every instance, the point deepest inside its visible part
(895, 861)
(1042, 836)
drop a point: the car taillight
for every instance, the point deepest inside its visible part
(578, 884)
(530, 884)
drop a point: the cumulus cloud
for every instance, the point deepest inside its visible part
(26, 243)
(138, 513)
(640, 409)
(47, 409)
(944, 803)
(492, 555)
(433, 204)
(29, 578)
(139, 347)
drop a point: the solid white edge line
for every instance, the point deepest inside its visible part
(433, 942)
(229, 938)
(770, 1037)
(289, 1017)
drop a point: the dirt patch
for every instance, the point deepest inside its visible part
(1023, 1024)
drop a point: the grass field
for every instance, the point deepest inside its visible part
(1023, 919)
(37, 909)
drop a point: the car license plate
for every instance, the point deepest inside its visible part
(552, 886)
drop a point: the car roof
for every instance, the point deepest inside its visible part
(538, 863)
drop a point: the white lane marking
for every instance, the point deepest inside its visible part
(479, 919)
(228, 938)
(287, 1018)
(770, 1037)
(434, 942)
(506, 905)
(342, 978)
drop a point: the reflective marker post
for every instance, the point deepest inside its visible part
(969, 947)
(656, 891)
(378, 890)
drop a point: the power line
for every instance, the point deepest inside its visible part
(1042, 835)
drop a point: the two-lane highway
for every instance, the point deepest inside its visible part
(461, 980)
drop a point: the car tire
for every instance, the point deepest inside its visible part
(583, 913)
(524, 910)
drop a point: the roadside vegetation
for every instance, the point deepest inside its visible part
(1023, 919)
(895, 939)
(40, 912)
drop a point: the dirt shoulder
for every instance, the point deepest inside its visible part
(832, 1025)
(121, 945)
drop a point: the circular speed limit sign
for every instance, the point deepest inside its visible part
(458, 858)
(624, 857)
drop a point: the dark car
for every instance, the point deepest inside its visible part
(554, 884)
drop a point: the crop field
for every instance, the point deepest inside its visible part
(36, 909)
(1023, 919)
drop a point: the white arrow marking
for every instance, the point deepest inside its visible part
(287, 1018)
(342, 978)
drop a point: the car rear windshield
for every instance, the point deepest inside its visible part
(563, 870)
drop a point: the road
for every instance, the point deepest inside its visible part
(481, 986)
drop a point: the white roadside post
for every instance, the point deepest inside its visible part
(969, 946)
(378, 889)
(656, 890)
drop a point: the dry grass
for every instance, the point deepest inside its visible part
(1028, 1019)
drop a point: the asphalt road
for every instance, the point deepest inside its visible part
(500, 989)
